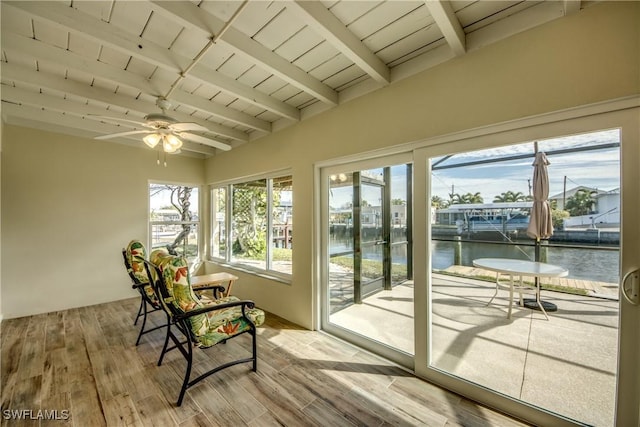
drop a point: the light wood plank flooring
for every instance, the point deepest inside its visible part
(84, 361)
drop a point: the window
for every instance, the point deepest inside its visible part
(173, 219)
(252, 224)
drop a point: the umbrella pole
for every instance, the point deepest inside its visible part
(533, 303)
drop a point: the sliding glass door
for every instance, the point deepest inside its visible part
(398, 275)
(367, 256)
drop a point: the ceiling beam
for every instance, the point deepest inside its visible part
(194, 17)
(43, 80)
(106, 34)
(68, 121)
(325, 23)
(445, 18)
(69, 60)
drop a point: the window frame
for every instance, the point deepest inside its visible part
(198, 223)
(227, 260)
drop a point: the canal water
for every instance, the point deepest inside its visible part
(585, 263)
(594, 263)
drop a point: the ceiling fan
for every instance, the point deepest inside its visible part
(165, 129)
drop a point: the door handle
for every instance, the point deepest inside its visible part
(631, 291)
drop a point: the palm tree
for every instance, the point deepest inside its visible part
(438, 202)
(581, 203)
(466, 198)
(510, 196)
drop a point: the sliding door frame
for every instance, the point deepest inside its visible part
(626, 117)
(323, 173)
(621, 113)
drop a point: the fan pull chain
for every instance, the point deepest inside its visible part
(158, 158)
(165, 159)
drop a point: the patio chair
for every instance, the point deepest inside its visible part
(203, 323)
(134, 255)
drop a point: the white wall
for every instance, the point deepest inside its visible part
(585, 58)
(69, 205)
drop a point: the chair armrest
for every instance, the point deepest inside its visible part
(140, 285)
(242, 303)
(216, 289)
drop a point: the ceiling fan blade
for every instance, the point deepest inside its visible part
(115, 135)
(180, 127)
(117, 120)
(203, 140)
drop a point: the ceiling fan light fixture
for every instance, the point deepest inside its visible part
(173, 140)
(171, 144)
(152, 139)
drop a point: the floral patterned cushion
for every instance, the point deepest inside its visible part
(160, 258)
(136, 254)
(209, 328)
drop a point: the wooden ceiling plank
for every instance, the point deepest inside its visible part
(514, 23)
(529, 18)
(278, 30)
(119, 76)
(398, 30)
(381, 16)
(39, 79)
(351, 11)
(238, 90)
(218, 110)
(317, 16)
(480, 14)
(281, 67)
(102, 32)
(192, 16)
(446, 20)
(316, 56)
(36, 99)
(67, 123)
(420, 41)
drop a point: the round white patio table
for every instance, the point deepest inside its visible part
(519, 268)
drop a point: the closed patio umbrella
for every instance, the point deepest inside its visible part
(540, 220)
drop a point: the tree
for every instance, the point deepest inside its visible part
(558, 217)
(581, 203)
(466, 198)
(179, 199)
(510, 196)
(438, 202)
(249, 218)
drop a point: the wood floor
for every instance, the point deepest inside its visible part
(81, 366)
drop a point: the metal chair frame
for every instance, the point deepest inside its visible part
(181, 321)
(145, 301)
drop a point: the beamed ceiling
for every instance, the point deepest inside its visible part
(242, 70)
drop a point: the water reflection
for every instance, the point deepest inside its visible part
(586, 264)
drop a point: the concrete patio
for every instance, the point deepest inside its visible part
(566, 364)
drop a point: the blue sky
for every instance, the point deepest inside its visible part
(599, 169)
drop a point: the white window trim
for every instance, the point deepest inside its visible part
(200, 224)
(226, 261)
